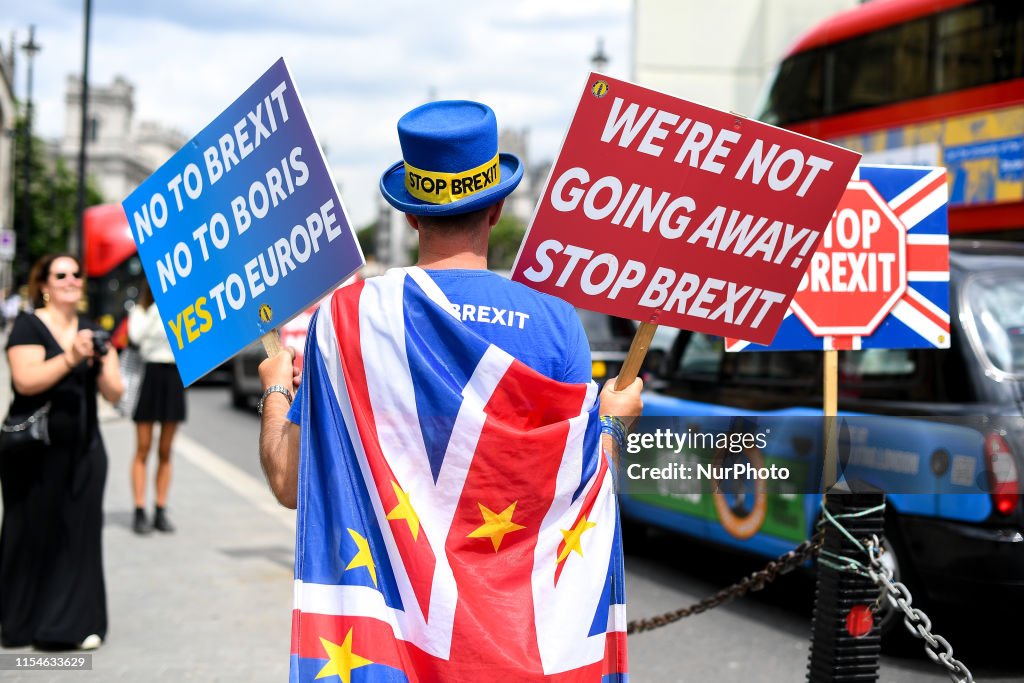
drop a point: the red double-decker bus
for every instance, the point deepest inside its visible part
(111, 264)
(926, 82)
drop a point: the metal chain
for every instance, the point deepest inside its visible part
(917, 622)
(752, 582)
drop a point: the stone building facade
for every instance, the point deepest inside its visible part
(719, 54)
(120, 152)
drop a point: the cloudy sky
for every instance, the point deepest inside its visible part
(358, 65)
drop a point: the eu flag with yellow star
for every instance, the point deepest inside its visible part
(456, 516)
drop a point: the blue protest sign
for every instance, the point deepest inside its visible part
(242, 228)
(880, 276)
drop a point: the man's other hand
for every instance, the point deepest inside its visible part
(280, 369)
(625, 404)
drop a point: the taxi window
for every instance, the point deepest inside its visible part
(781, 366)
(876, 363)
(702, 355)
(996, 324)
(606, 332)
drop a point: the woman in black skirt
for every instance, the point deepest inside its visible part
(161, 399)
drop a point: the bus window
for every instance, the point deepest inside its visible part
(979, 44)
(798, 90)
(880, 68)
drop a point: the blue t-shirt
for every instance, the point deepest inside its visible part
(540, 330)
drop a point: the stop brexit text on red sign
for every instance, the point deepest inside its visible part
(670, 212)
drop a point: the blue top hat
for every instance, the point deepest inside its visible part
(450, 162)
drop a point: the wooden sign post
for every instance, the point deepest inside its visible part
(830, 381)
(271, 342)
(635, 358)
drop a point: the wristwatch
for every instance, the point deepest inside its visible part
(276, 388)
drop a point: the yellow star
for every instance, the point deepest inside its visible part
(341, 659)
(363, 557)
(496, 525)
(405, 511)
(572, 538)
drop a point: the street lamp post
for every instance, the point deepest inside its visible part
(30, 48)
(599, 60)
(78, 241)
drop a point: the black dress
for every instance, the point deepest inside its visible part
(51, 562)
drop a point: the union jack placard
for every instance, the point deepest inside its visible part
(880, 277)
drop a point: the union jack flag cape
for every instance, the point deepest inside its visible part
(456, 516)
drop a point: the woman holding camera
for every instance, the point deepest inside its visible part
(161, 399)
(51, 565)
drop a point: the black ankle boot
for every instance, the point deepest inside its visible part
(160, 521)
(140, 524)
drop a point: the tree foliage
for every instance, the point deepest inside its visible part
(52, 200)
(367, 236)
(504, 243)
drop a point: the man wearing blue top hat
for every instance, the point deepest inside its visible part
(447, 452)
(451, 184)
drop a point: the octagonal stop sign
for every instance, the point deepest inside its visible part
(859, 271)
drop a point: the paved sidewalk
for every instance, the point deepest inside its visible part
(211, 602)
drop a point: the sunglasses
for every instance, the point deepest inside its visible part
(61, 275)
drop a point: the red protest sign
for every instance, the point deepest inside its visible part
(670, 212)
(859, 271)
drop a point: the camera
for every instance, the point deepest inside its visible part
(100, 342)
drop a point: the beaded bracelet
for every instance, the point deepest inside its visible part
(615, 428)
